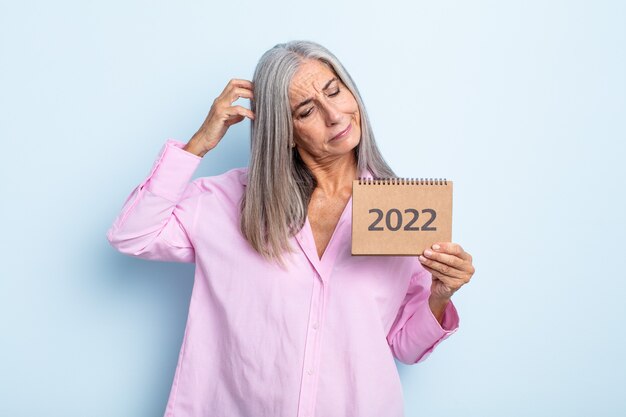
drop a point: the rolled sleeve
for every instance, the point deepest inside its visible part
(431, 330)
(172, 171)
(416, 331)
(157, 216)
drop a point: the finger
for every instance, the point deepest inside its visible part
(240, 111)
(451, 248)
(238, 92)
(452, 260)
(452, 283)
(229, 95)
(447, 281)
(232, 84)
(442, 268)
(233, 120)
(238, 82)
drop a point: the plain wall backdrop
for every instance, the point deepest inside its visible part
(521, 103)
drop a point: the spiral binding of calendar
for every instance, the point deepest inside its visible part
(402, 181)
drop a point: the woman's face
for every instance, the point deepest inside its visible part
(326, 117)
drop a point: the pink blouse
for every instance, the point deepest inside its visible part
(316, 339)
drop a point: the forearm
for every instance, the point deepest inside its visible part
(195, 148)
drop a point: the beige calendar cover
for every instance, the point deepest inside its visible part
(400, 216)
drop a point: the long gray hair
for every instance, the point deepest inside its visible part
(275, 203)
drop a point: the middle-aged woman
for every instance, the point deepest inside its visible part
(283, 320)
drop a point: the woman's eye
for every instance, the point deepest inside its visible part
(306, 113)
(334, 94)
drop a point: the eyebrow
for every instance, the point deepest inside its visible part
(308, 100)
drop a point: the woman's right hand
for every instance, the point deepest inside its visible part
(221, 116)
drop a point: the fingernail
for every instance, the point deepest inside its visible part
(427, 252)
(436, 247)
(422, 258)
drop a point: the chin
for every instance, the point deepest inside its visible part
(350, 144)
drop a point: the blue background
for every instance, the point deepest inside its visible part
(521, 103)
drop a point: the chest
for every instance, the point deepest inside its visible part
(324, 214)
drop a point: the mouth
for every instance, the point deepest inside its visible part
(343, 132)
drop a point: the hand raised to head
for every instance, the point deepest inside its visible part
(221, 116)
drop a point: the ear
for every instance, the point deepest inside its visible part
(294, 135)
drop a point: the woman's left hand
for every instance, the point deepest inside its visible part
(450, 266)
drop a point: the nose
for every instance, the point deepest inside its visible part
(333, 114)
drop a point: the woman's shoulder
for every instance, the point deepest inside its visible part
(230, 183)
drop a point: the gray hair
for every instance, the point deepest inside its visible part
(275, 203)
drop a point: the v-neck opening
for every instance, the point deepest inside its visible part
(332, 236)
(305, 238)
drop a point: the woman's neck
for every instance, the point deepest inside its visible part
(334, 177)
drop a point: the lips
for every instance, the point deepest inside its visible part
(343, 132)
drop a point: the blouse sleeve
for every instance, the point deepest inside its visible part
(156, 217)
(416, 332)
